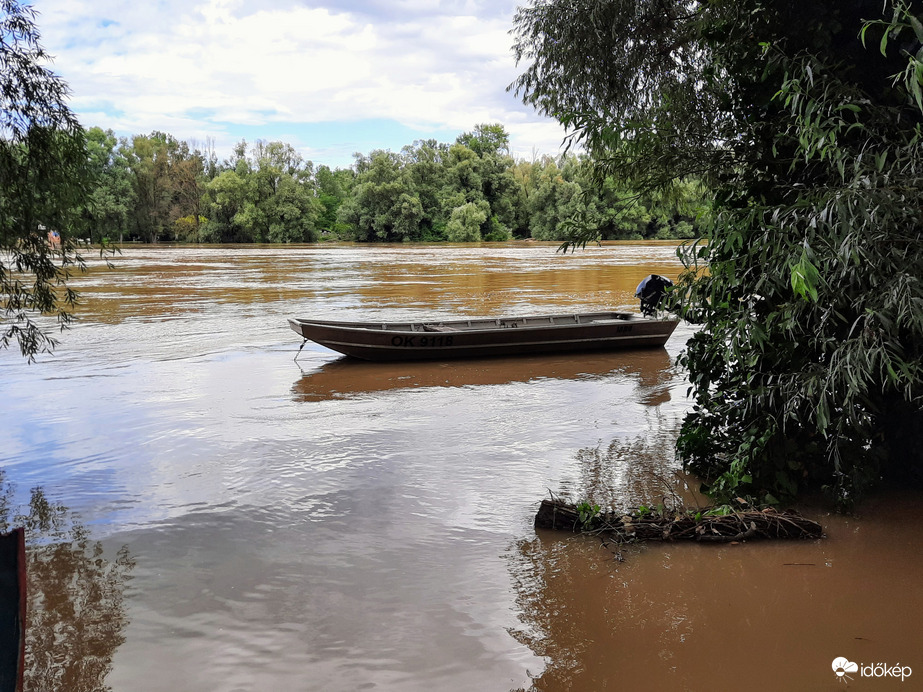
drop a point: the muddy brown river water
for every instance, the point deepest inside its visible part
(335, 525)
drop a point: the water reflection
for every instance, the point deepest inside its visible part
(663, 618)
(76, 613)
(346, 377)
(632, 471)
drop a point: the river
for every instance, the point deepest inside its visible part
(267, 524)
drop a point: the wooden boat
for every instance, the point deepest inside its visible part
(505, 336)
(12, 609)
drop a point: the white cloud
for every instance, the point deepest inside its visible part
(187, 68)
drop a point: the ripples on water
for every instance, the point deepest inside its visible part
(333, 526)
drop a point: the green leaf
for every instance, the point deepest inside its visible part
(916, 26)
(805, 277)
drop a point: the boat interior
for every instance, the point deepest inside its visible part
(532, 321)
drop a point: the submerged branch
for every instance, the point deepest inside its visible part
(673, 525)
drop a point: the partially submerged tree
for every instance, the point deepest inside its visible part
(805, 119)
(43, 187)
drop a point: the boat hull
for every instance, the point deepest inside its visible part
(512, 336)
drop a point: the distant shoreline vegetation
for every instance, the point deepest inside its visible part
(154, 188)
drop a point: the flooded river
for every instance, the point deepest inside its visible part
(335, 525)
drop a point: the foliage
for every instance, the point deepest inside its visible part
(189, 228)
(384, 206)
(107, 213)
(148, 161)
(264, 195)
(465, 223)
(333, 187)
(486, 140)
(44, 181)
(807, 369)
(553, 200)
(586, 513)
(155, 188)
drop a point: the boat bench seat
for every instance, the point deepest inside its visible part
(438, 328)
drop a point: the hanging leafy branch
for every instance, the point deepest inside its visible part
(44, 180)
(807, 368)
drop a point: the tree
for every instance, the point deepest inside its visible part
(44, 183)
(465, 223)
(267, 196)
(333, 188)
(282, 206)
(186, 175)
(478, 168)
(486, 140)
(148, 159)
(804, 119)
(553, 201)
(384, 206)
(227, 196)
(424, 163)
(112, 194)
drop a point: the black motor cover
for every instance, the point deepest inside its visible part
(650, 291)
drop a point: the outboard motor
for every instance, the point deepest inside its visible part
(650, 291)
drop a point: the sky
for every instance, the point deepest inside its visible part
(329, 78)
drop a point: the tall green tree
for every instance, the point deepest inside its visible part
(478, 168)
(553, 201)
(44, 185)
(148, 159)
(333, 188)
(187, 178)
(282, 207)
(226, 197)
(385, 206)
(465, 223)
(486, 139)
(112, 196)
(424, 163)
(805, 121)
(265, 195)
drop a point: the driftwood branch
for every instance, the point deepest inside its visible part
(671, 525)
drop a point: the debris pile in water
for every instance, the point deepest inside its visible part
(675, 525)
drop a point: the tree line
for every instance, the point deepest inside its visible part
(154, 188)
